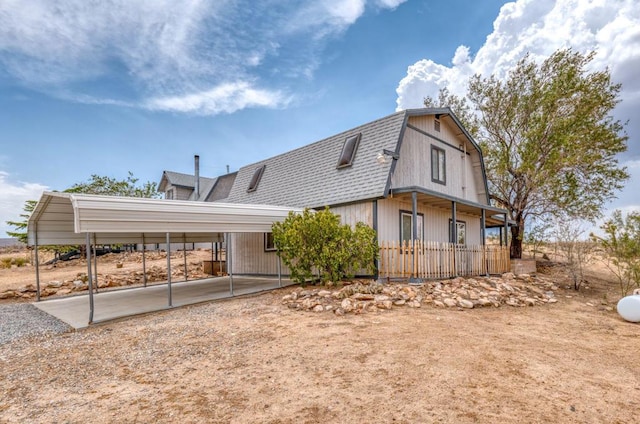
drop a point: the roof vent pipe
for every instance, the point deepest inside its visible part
(196, 159)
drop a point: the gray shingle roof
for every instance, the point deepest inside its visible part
(188, 181)
(307, 177)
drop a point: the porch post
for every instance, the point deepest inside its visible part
(506, 230)
(37, 265)
(414, 235)
(170, 300)
(89, 277)
(454, 235)
(483, 227)
(376, 261)
(483, 240)
(144, 263)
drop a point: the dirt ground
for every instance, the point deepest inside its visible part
(254, 360)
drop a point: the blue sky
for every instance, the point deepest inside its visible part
(116, 86)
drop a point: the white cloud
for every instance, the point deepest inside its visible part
(225, 98)
(146, 50)
(14, 194)
(540, 27)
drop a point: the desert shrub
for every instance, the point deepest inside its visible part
(20, 261)
(5, 263)
(572, 245)
(621, 243)
(316, 243)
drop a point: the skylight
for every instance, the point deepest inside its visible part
(255, 180)
(349, 151)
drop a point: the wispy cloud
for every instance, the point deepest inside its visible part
(178, 54)
(225, 98)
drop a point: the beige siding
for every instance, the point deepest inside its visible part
(181, 193)
(436, 222)
(464, 177)
(358, 212)
(249, 257)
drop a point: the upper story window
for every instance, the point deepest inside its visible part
(168, 194)
(255, 180)
(438, 165)
(436, 123)
(349, 151)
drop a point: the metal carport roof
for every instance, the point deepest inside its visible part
(75, 219)
(66, 218)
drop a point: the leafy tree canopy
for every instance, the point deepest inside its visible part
(548, 137)
(109, 186)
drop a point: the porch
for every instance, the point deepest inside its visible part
(440, 236)
(435, 260)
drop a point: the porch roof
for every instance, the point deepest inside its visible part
(494, 216)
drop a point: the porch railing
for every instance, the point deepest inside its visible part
(434, 260)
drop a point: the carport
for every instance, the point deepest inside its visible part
(82, 219)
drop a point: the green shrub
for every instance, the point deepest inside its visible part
(317, 245)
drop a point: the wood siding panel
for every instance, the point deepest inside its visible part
(357, 212)
(182, 193)
(464, 177)
(248, 255)
(436, 222)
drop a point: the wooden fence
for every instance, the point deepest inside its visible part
(434, 260)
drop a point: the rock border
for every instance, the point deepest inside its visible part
(463, 293)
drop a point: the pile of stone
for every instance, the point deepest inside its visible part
(120, 279)
(462, 293)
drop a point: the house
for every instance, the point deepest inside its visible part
(417, 177)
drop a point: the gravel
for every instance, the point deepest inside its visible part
(25, 320)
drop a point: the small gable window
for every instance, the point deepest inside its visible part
(349, 151)
(438, 165)
(255, 180)
(436, 123)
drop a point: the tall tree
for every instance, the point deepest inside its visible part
(549, 140)
(20, 227)
(95, 185)
(109, 186)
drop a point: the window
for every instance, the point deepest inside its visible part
(168, 195)
(461, 232)
(436, 123)
(438, 165)
(255, 180)
(406, 226)
(349, 151)
(269, 244)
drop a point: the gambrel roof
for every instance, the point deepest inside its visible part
(310, 176)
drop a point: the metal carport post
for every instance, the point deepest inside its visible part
(89, 278)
